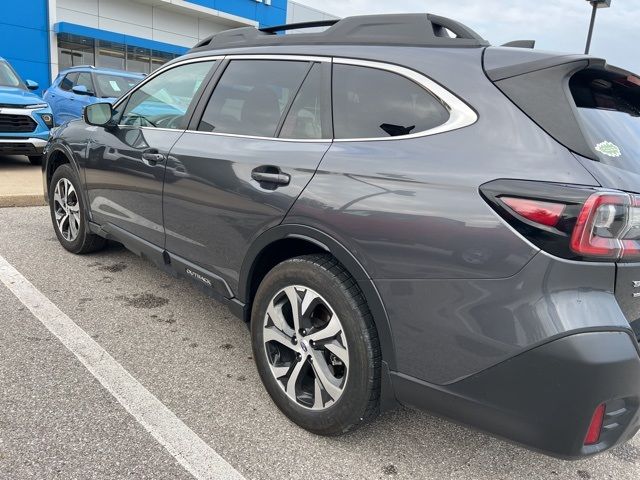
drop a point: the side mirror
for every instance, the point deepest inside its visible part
(81, 90)
(31, 85)
(98, 114)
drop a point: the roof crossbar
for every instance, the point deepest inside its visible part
(300, 26)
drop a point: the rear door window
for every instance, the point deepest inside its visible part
(372, 103)
(252, 96)
(309, 117)
(608, 104)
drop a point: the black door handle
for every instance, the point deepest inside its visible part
(272, 176)
(152, 157)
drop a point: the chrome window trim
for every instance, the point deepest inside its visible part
(460, 114)
(285, 57)
(252, 137)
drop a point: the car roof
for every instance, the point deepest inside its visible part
(91, 68)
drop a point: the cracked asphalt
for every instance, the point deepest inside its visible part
(58, 422)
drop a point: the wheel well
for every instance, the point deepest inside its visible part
(275, 253)
(56, 159)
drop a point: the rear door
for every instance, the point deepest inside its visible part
(252, 147)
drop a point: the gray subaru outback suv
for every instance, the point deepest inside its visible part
(401, 212)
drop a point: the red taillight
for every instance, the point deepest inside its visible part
(544, 213)
(608, 226)
(595, 427)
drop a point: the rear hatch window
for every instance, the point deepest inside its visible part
(608, 106)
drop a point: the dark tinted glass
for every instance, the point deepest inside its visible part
(370, 103)
(609, 109)
(304, 120)
(252, 96)
(67, 82)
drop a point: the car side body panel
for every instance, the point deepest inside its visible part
(214, 210)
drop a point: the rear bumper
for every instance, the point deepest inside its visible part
(545, 397)
(22, 146)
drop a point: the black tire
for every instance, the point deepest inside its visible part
(35, 159)
(85, 241)
(360, 398)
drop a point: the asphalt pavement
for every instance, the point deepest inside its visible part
(59, 421)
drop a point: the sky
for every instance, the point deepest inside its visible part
(559, 25)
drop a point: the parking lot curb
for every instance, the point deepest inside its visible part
(22, 201)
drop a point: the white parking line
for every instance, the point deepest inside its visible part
(189, 450)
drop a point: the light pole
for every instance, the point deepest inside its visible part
(596, 4)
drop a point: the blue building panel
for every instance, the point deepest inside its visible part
(24, 38)
(265, 15)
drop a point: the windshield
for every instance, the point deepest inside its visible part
(114, 86)
(608, 103)
(9, 78)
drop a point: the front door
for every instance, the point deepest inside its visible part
(243, 163)
(126, 163)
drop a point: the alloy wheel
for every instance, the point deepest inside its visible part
(67, 209)
(306, 347)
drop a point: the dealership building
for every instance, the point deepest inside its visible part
(41, 37)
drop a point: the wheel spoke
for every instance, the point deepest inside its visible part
(309, 297)
(73, 227)
(318, 402)
(293, 379)
(327, 332)
(330, 383)
(280, 371)
(277, 318)
(56, 197)
(339, 351)
(272, 334)
(294, 300)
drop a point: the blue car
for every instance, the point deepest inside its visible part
(78, 87)
(25, 119)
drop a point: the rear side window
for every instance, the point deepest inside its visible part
(252, 96)
(371, 103)
(608, 104)
(308, 117)
(66, 83)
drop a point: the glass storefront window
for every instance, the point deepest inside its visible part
(160, 58)
(138, 59)
(110, 55)
(74, 50)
